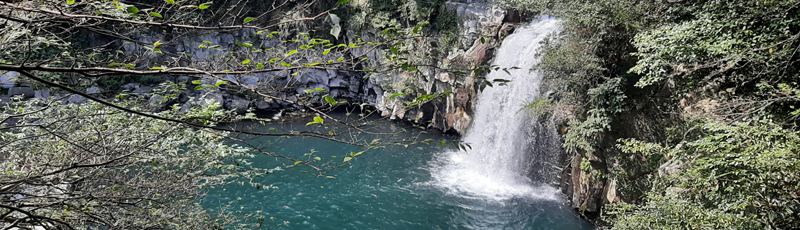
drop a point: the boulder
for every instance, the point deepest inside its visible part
(212, 98)
(9, 79)
(238, 105)
(94, 90)
(76, 99)
(27, 92)
(41, 94)
(265, 105)
(156, 100)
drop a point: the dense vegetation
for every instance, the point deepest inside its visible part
(113, 158)
(690, 106)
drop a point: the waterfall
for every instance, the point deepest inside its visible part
(498, 165)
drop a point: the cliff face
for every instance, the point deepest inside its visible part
(480, 24)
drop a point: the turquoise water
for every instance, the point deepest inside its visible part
(388, 188)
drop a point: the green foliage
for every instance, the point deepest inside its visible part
(584, 135)
(741, 176)
(89, 163)
(663, 212)
(539, 106)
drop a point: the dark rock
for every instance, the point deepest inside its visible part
(238, 105)
(27, 92)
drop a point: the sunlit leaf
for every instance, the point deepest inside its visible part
(132, 9)
(330, 100)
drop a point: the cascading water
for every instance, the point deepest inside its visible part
(497, 166)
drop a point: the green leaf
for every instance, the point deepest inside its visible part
(340, 59)
(248, 19)
(418, 27)
(170, 1)
(318, 120)
(157, 68)
(395, 95)
(290, 53)
(114, 64)
(346, 159)
(311, 123)
(342, 2)
(205, 5)
(297, 162)
(326, 51)
(220, 83)
(70, 2)
(156, 14)
(317, 158)
(246, 61)
(197, 82)
(260, 66)
(132, 9)
(330, 100)
(394, 48)
(130, 66)
(157, 44)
